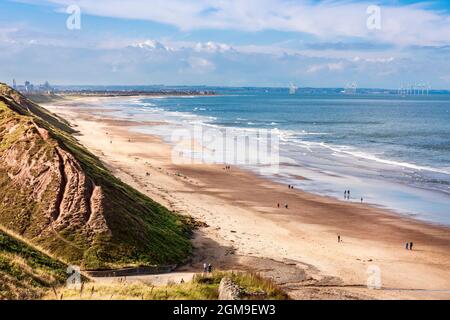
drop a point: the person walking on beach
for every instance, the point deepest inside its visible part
(209, 268)
(362, 199)
(278, 205)
(286, 205)
(348, 195)
(345, 194)
(205, 268)
(339, 238)
(410, 245)
(407, 246)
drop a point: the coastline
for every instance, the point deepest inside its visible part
(245, 229)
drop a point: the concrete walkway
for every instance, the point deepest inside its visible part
(154, 279)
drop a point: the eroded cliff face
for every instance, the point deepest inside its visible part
(45, 192)
(58, 195)
(54, 179)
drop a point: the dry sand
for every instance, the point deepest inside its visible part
(245, 230)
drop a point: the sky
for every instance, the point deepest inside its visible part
(312, 43)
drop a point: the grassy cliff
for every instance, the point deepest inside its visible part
(27, 273)
(62, 198)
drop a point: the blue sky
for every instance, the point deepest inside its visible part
(227, 42)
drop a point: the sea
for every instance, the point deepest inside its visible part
(389, 150)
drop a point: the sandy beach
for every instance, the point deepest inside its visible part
(243, 229)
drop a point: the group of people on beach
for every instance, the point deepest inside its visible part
(290, 186)
(347, 196)
(409, 246)
(207, 268)
(227, 167)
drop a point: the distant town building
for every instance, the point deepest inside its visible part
(28, 87)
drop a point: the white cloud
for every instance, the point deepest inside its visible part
(112, 59)
(7, 34)
(212, 47)
(334, 66)
(374, 60)
(200, 64)
(151, 45)
(403, 25)
(184, 65)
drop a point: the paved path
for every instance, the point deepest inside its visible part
(154, 279)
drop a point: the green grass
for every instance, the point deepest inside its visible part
(141, 231)
(253, 285)
(26, 273)
(201, 288)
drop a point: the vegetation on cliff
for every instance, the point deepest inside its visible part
(27, 273)
(59, 196)
(202, 287)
